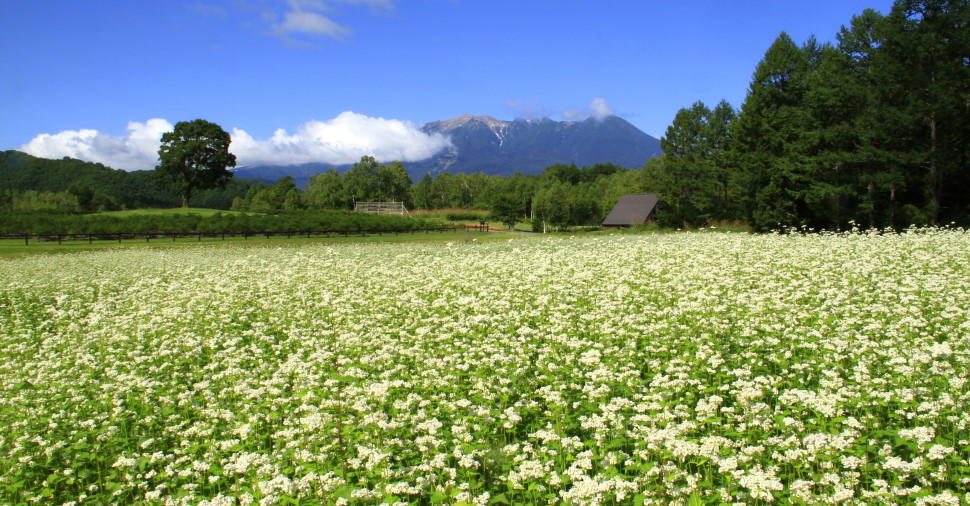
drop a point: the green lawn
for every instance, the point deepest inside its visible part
(519, 227)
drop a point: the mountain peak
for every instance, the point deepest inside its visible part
(485, 144)
(460, 121)
(495, 147)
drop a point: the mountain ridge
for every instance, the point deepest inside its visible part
(499, 147)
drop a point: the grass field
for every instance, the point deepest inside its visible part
(689, 368)
(442, 214)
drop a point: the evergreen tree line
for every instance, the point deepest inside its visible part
(872, 130)
(230, 223)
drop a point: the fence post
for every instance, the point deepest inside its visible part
(90, 239)
(26, 240)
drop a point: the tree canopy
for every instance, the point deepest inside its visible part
(195, 155)
(873, 131)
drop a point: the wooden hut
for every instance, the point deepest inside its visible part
(632, 209)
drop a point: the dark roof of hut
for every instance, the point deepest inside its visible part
(632, 209)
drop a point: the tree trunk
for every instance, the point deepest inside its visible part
(185, 200)
(933, 174)
(872, 204)
(892, 205)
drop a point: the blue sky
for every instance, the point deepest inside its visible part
(103, 78)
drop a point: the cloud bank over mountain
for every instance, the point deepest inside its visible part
(136, 150)
(597, 109)
(341, 140)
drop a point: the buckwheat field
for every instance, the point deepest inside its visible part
(688, 368)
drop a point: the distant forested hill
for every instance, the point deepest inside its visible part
(99, 187)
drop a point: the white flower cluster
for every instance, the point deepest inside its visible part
(681, 368)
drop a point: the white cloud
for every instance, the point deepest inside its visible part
(373, 4)
(137, 150)
(307, 17)
(527, 109)
(338, 141)
(574, 114)
(599, 109)
(341, 140)
(309, 23)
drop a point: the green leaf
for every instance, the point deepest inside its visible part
(695, 500)
(498, 499)
(343, 492)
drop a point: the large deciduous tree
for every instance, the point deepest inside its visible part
(394, 183)
(327, 190)
(361, 180)
(195, 155)
(506, 208)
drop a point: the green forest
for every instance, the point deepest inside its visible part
(871, 131)
(29, 184)
(562, 196)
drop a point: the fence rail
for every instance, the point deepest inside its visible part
(173, 236)
(380, 207)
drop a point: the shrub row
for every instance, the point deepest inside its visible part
(310, 221)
